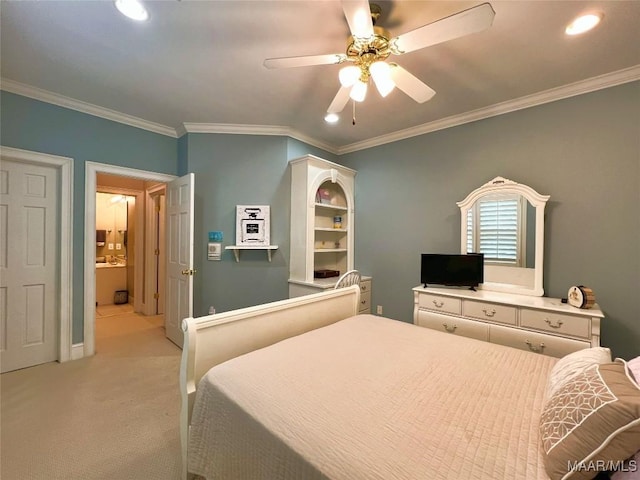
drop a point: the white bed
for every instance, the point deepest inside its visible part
(357, 397)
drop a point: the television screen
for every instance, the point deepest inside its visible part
(452, 270)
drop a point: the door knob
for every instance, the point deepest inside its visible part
(188, 271)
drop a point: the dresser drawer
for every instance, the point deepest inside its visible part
(491, 312)
(558, 323)
(365, 286)
(440, 303)
(365, 302)
(535, 342)
(453, 325)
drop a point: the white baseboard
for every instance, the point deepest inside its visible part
(77, 351)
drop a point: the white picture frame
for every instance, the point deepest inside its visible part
(253, 225)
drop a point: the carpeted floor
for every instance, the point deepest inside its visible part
(112, 416)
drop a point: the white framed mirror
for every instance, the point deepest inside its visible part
(504, 220)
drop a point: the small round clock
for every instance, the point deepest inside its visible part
(581, 297)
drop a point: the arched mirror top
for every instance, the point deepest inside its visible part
(504, 220)
(501, 185)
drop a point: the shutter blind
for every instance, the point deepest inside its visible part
(497, 230)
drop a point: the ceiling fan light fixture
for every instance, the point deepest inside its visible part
(132, 9)
(583, 23)
(381, 73)
(358, 91)
(349, 75)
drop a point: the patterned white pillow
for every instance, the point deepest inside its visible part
(571, 365)
(592, 423)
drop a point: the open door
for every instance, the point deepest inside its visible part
(179, 231)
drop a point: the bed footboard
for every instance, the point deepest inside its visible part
(214, 339)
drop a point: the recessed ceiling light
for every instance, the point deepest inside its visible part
(132, 9)
(331, 118)
(583, 23)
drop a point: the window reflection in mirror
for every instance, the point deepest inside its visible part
(502, 227)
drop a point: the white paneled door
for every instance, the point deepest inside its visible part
(179, 255)
(29, 297)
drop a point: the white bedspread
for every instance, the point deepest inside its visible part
(372, 398)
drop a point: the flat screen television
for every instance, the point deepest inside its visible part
(457, 270)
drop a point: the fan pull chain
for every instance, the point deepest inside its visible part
(353, 119)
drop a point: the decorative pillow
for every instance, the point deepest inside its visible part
(634, 366)
(571, 365)
(631, 468)
(592, 423)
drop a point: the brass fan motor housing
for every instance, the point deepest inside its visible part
(364, 52)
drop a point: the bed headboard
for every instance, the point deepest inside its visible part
(214, 339)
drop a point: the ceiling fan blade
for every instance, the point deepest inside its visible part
(340, 100)
(358, 14)
(469, 21)
(410, 84)
(289, 62)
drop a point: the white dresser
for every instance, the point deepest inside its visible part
(539, 324)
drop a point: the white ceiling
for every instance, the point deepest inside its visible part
(201, 61)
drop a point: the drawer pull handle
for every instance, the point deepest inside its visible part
(557, 325)
(489, 314)
(533, 348)
(363, 287)
(448, 328)
(438, 304)
(363, 302)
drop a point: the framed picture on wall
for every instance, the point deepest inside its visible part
(253, 225)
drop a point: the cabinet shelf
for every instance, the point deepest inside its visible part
(327, 250)
(238, 248)
(329, 229)
(328, 206)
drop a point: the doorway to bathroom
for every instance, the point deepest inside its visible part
(129, 245)
(122, 252)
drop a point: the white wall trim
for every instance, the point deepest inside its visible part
(84, 107)
(77, 351)
(91, 171)
(578, 88)
(151, 225)
(65, 166)
(237, 129)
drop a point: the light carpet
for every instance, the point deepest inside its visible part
(111, 416)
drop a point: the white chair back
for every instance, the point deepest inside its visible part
(352, 277)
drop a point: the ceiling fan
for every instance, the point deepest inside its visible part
(370, 45)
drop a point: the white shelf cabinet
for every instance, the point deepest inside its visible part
(539, 324)
(318, 242)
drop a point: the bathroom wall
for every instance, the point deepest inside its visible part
(112, 217)
(107, 182)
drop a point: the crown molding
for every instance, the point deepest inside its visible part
(566, 91)
(238, 129)
(88, 108)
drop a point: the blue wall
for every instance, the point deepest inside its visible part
(41, 127)
(235, 170)
(583, 151)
